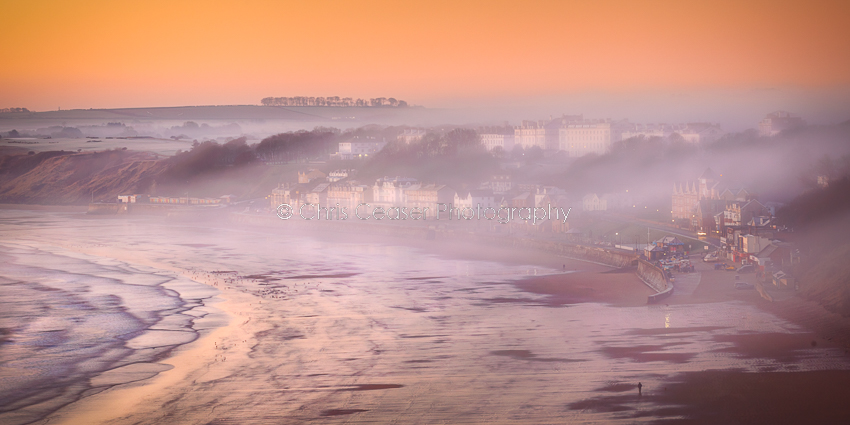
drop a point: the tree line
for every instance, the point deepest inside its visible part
(333, 101)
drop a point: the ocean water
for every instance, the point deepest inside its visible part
(356, 331)
(67, 318)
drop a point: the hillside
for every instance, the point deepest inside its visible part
(71, 178)
(230, 112)
(821, 221)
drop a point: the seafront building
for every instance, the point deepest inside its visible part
(502, 141)
(411, 135)
(392, 191)
(776, 122)
(584, 138)
(359, 147)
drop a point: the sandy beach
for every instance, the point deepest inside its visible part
(345, 329)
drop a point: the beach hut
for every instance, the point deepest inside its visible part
(653, 252)
(671, 244)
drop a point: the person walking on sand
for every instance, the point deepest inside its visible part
(640, 387)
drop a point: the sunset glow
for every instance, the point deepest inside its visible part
(90, 54)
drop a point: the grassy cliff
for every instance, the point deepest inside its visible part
(821, 222)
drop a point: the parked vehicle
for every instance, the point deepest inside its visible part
(731, 268)
(710, 258)
(747, 268)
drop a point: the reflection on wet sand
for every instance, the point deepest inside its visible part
(374, 333)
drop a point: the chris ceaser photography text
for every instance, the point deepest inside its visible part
(365, 211)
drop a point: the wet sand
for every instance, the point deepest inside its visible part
(377, 331)
(719, 286)
(566, 280)
(730, 397)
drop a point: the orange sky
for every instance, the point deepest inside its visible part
(81, 54)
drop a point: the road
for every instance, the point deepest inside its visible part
(713, 241)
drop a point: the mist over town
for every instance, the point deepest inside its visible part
(436, 222)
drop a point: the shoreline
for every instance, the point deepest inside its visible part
(44, 207)
(198, 363)
(131, 349)
(569, 280)
(202, 359)
(830, 327)
(814, 317)
(185, 361)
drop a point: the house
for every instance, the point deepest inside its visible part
(776, 253)
(653, 252)
(391, 191)
(580, 139)
(592, 202)
(670, 244)
(359, 147)
(542, 198)
(776, 122)
(704, 218)
(686, 195)
(337, 175)
(411, 135)
(286, 193)
(739, 213)
(476, 198)
(318, 195)
(132, 199)
(523, 200)
(701, 132)
(499, 184)
(310, 175)
(429, 196)
(761, 226)
(492, 141)
(530, 134)
(348, 195)
(752, 244)
(685, 199)
(739, 195)
(644, 131)
(619, 201)
(696, 204)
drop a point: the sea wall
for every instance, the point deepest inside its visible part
(105, 208)
(145, 209)
(654, 277)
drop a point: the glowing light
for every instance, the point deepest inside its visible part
(118, 69)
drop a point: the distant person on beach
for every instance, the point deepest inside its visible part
(640, 387)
